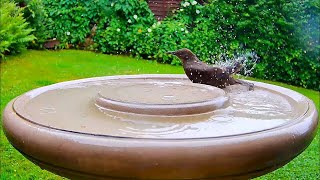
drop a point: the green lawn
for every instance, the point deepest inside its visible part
(34, 69)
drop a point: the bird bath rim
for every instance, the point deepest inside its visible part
(89, 156)
(292, 94)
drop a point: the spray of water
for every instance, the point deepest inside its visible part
(248, 60)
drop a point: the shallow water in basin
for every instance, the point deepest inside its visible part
(73, 108)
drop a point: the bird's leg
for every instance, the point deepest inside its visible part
(249, 85)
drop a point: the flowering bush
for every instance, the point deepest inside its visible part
(71, 21)
(167, 36)
(126, 22)
(284, 34)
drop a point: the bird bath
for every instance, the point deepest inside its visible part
(159, 127)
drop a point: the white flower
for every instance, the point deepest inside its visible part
(118, 30)
(149, 30)
(158, 23)
(194, 2)
(112, 4)
(186, 4)
(182, 29)
(54, 39)
(129, 21)
(198, 11)
(181, 10)
(68, 33)
(186, 31)
(135, 16)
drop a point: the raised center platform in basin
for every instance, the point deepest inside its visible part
(166, 98)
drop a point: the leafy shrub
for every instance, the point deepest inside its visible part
(14, 33)
(283, 33)
(68, 21)
(122, 28)
(167, 36)
(36, 15)
(273, 29)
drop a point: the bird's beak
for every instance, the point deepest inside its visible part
(171, 52)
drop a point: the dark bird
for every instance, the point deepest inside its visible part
(200, 72)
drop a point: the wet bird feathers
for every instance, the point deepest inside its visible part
(200, 72)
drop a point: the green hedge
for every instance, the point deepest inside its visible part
(283, 33)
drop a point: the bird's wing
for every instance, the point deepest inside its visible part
(211, 73)
(222, 74)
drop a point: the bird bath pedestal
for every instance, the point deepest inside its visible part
(159, 127)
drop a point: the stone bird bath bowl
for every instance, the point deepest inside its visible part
(159, 127)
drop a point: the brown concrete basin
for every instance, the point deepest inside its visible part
(159, 127)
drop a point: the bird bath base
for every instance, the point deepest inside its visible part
(159, 127)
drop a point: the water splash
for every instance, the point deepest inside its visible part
(248, 60)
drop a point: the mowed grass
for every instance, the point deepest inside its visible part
(34, 69)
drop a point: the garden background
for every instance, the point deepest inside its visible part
(284, 34)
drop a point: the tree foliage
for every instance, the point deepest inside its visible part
(14, 30)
